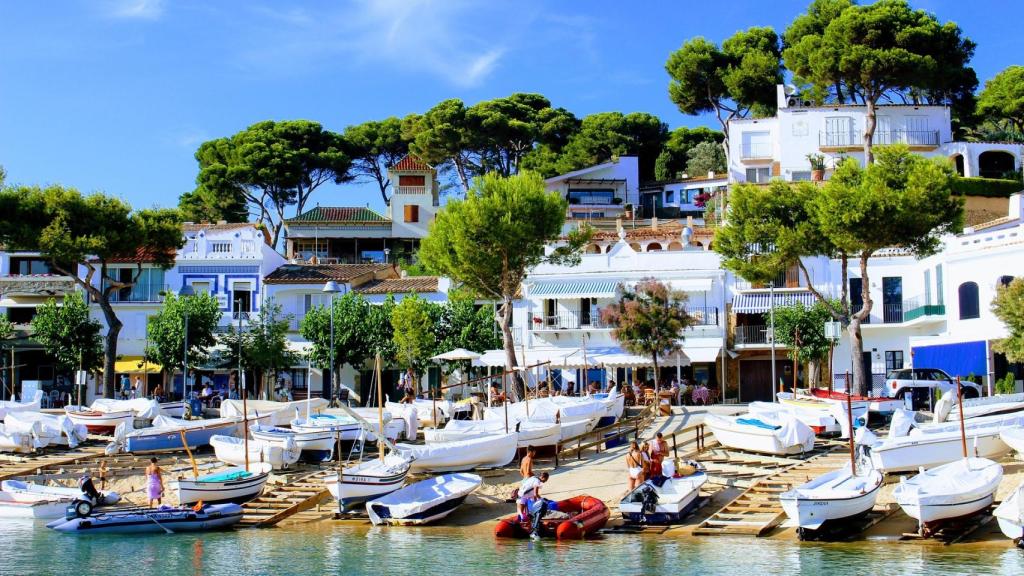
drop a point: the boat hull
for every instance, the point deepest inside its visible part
(484, 452)
(930, 450)
(155, 521)
(170, 440)
(587, 516)
(815, 514)
(753, 440)
(1010, 515)
(423, 502)
(237, 491)
(32, 508)
(100, 422)
(355, 489)
(671, 513)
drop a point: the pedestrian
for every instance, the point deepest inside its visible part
(645, 453)
(526, 466)
(405, 381)
(137, 391)
(659, 450)
(158, 393)
(531, 506)
(154, 483)
(126, 387)
(635, 466)
(101, 473)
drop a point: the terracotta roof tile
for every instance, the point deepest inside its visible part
(418, 284)
(410, 163)
(200, 226)
(344, 214)
(317, 273)
(142, 254)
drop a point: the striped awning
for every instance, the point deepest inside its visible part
(573, 289)
(761, 301)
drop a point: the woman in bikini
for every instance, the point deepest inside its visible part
(154, 483)
(635, 466)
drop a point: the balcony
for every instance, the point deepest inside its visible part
(140, 293)
(752, 335)
(756, 151)
(560, 322)
(593, 199)
(704, 316)
(410, 189)
(855, 139)
(35, 285)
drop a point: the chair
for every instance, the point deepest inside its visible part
(343, 397)
(650, 396)
(54, 398)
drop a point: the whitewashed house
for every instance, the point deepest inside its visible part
(599, 192)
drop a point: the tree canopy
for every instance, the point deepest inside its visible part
(901, 201)
(374, 147)
(882, 50)
(1008, 306)
(263, 343)
(1002, 99)
(731, 81)
(71, 230)
(649, 320)
(704, 158)
(674, 155)
(268, 167)
(488, 241)
(802, 329)
(165, 331)
(69, 333)
(414, 332)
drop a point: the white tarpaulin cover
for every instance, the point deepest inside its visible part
(46, 426)
(425, 495)
(8, 406)
(281, 413)
(408, 414)
(901, 423)
(484, 452)
(142, 407)
(958, 482)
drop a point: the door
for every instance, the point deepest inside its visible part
(866, 363)
(883, 130)
(584, 311)
(917, 131)
(756, 379)
(892, 299)
(839, 131)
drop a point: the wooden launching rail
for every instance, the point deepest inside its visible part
(757, 510)
(18, 465)
(596, 438)
(299, 493)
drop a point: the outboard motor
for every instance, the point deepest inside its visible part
(650, 499)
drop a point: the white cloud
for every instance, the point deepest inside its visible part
(435, 36)
(135, 9)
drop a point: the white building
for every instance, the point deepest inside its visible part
(764, 148)
(601, 191)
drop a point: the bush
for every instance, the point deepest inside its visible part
(1007, 385)
(986, 187)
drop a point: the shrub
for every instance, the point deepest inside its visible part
(986, 187)
(1008, 385)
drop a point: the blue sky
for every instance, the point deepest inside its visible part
(115, 95)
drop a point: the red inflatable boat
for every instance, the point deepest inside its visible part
(587, 515)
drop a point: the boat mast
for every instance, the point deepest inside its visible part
(245, 426)
(849, 419)
(960, 402)
(380, 408)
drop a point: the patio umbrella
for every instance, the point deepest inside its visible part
(456, 355)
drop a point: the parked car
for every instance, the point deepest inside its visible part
(920, 382)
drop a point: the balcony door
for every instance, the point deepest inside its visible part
(917, 131)
(551, 312)
(892, 299)
(241, 299)
(839, 131)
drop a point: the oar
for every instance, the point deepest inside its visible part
(165, 528)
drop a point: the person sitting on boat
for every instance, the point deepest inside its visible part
(531, 505)
(635, 466)
(154, 483)
(658, 452)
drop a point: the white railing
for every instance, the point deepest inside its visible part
(410, 189)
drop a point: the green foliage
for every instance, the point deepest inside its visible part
(462, 324)
(413, 327)
(165, 331)
(705, 157)
(1008, 385)
(6, 328)
(267, 167)
(672, 159)
(352, 331)
(883, 49)
(374, 146)
(1002, 99)
(264, 342)
(1008, 306)
(731, 81)
(649, 320)
(600, 138)
(986, 187)
(817, 161)
(68, 333)
(802, 330)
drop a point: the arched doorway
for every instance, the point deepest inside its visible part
(995, 164)
(593, 249)
(675, 246)
(654, 247)
(958, 163)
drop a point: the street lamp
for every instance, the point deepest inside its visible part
(387, 251)
(332, 288)
(184, 292)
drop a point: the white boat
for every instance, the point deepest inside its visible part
(276, 413)
(47, 429)
(484, 452)
(408, 415)
(819, 421)
(109, 497)
(35, 506)
(348, 426)
(98, 422)
(11, 406)
(926, 450)
(614, 402)
(174, 409)
(1014, 438)
(536, 434)
(575, 428)
(951, 491)
(231, 485)
(833, 498)
(20, 441)
(424, 501)
(823, 415)
(320, 441)
(671, 502)
(367, 480)
(782, 434)
(946, 409)
(166, 434)
(1010, 515)
(998, 421)
(231, 450)
(143, 408)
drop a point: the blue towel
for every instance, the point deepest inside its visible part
(226, 476)
(757, 423)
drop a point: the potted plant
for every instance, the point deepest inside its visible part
(627, 211)
(817, 166)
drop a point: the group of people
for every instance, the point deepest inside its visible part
(530, 505)
(644, 461)
(131, 390)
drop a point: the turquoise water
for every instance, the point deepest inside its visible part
(325, 549)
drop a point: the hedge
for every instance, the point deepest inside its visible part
(987, 187)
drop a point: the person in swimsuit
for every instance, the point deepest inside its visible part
(645, 454)
(101, 473)
(526, 466)
(154, 483)
(658, 452)
(634, 466)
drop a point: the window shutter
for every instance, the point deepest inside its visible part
(412, 213)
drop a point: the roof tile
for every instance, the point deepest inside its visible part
(418, 284)
(316, 273)
(410, 163)
(345, 214)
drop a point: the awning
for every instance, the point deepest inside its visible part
(761, 301)
(559, 357)
(135, 365)
(573, 289)
(959, 359)
(702, 349)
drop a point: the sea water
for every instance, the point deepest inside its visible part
(324, 549)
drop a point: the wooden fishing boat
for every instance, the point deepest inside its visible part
(832, 499)
(270, 412)
(34, 506)
(166, 434)
(315, 443)
(1010, 515)
(586, 515)
(231, 450)
(423, 502)
(536, 434)
(99, 422)
(949, 492)
(879, 404)
(46, 429)
(234, 484)
(485, 452)
(927, 450)
(781, 435)
(67, 494)
(165, 519)
(367, 480)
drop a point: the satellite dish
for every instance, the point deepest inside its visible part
(790, 89)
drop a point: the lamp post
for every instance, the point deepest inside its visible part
(771, 332)
(332, 288)
(185, 291)
(239, 381)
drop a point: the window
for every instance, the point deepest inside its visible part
(893, 360)
(917, 133)
(411, 180)
(759, 175)
(892, 299)
(412, 213)
(800, 175)
(839, 132)
(307, 248)
(27, 266)
(756, 145)
(220, 247)
(310, 301)
(201, 287)
(856, 297)
(939, 298)
(670, 196)
(241, 297)
(967, 294)
(148, 287)
(927, 287)
(591, 196)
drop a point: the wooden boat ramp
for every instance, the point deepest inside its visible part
(299, 492)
